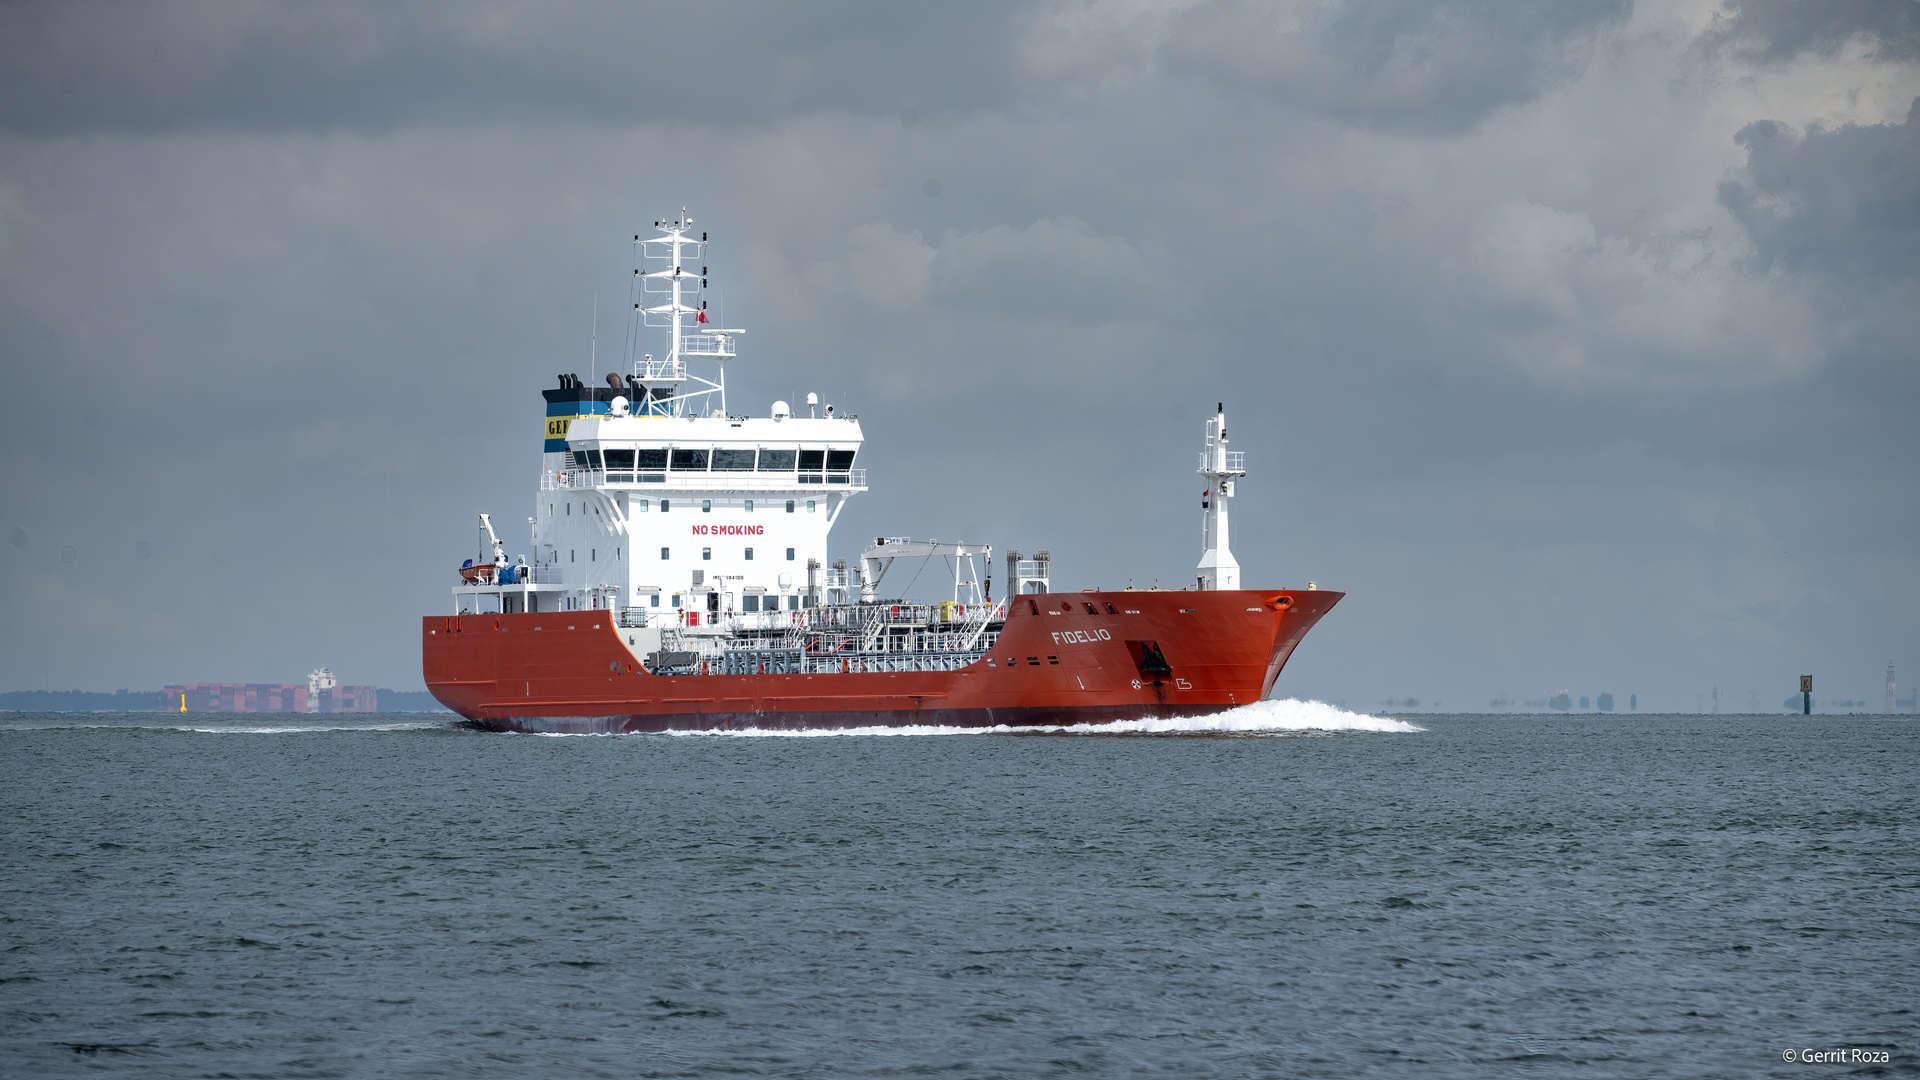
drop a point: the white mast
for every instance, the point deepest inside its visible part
(1218, 569)
(680, 287)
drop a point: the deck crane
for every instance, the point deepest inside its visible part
(876, 559)
(488, 537)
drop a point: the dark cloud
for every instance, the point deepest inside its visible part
(1774, 31)
(1843, 199)
(1509, 374)
(95, 65)
(1400, 64)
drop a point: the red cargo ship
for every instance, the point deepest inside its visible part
(725, 631)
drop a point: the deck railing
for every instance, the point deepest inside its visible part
(577, 479)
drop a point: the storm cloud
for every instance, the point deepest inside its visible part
(1574, 341)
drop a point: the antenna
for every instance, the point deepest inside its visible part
(670, 297)
(593, 340)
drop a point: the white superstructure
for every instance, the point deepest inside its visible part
(654, 500)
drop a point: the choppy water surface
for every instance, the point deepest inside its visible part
(1283, 892)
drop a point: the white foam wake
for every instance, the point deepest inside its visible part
(305, 729)
(1261, 717)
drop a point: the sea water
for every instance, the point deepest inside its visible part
(1287, 890)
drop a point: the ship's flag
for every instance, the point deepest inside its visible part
(701, 317)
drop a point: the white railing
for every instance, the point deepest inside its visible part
(660, 369)
(841, 478)
(706, 345)
(1236, 461)
(722, 480)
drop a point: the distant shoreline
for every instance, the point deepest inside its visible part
(144, 701)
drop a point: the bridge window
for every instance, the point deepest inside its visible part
(839, 460)
(733, 460)
(651, 459)
(690, 460)
(813, 460)
(619, 459)
(776, 461)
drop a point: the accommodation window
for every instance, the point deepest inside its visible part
(750, 602)
(749, 554)
(809, 506)
(706, 553)
(676, 599)
(789, 506)
(789, 554)
(569, 509)
(643, 506)
(593, 554)
(656, 600)
(571, 554)
(663, 554)
(706, 506)
(664, 507)
(749, 506)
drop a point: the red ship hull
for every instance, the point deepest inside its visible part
(1061, 658)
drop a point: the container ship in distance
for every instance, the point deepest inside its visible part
(679, 578)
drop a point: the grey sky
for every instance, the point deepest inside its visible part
(1576, 342)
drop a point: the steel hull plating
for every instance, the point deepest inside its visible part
(1062, 658)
